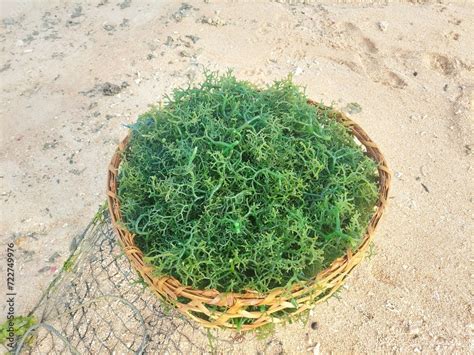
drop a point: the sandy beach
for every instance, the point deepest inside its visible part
(74, 73)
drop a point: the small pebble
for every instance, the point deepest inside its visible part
(193, 39)
(77, 11)
(314, 325)
(185, 54)
(109, 89)
(353, 108)
(53, 257)
(383, 26)
(298, 71)
(108, 27)
(414, 328)
(213, 21)
(43, 269)
(391, 307)
(317, 349)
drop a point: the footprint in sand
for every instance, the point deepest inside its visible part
(393, 80)
(383, 276)
(369, 45)
(442, 64)
(372, 63)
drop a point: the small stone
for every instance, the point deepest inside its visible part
(53, 257)
(391, 307)
(29, 39)
(70, 23)
(353, 108)
(28, 255)
(183, 11)
(314, 325)
(109, 89)
(50, 145)
(213, 21)
(109, 27)
(382, 26)
(138, 80)
(193, 39)
(124, 4)
(414, 328)
(20, 241)
(77, 11)
(398, 174)
(298, 71)
(5, 67)
(125, 23)
(169, 41)
(43, 269)
(412, 204)
(8, 21)
(185, 54)
(468, 149)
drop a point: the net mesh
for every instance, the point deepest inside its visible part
(99, 304)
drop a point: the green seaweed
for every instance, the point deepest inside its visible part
(69, 263)
(232, 187)
(19, 325)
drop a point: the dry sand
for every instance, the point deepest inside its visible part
(404, 71)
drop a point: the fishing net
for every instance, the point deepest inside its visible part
(98, 304)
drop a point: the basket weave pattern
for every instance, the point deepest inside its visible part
(200, 305)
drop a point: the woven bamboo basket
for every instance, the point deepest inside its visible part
(214, 309)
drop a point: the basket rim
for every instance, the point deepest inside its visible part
(170, 288)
